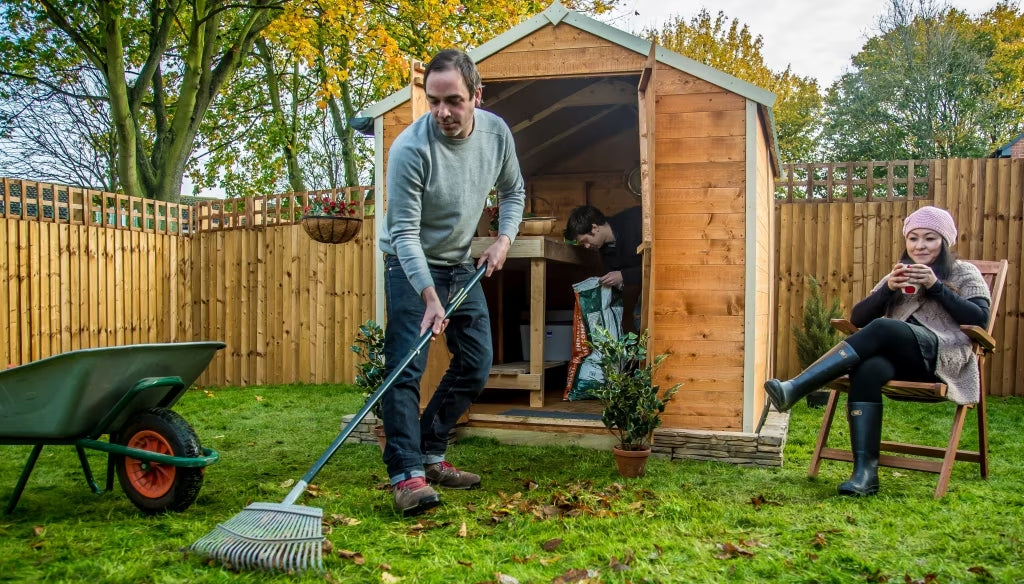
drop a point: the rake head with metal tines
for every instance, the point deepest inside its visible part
(269, 537)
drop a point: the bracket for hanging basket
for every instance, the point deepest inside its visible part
(331, 229)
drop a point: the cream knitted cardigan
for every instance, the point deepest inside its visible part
(956, 364)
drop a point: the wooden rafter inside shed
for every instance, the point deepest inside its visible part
(555, 119)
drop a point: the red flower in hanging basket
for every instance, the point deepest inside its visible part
(328, 206)
(331, 220)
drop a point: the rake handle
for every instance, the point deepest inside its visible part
(456, 301)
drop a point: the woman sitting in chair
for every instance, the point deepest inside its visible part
(910, 330)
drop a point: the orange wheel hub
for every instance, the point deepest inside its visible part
(150, 479)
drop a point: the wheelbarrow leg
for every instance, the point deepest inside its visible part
(23, 479)
(87, 470)
(110, 471)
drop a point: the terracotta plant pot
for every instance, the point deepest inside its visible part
(327, 229)
(631, 463)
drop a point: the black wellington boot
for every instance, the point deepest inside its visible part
(865, 436)
(830, 366)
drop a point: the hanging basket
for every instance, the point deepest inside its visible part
(327, 229)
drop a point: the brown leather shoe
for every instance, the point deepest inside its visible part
(445, 475)
(414, 496)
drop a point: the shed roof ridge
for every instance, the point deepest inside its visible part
(555, 14)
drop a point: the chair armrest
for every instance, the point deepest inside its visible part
(844, 326)
(980, 336)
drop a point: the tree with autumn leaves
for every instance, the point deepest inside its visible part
(729, 46)
(259, 96)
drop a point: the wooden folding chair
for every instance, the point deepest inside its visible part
(995, 276)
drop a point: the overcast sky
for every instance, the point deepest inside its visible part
(816, 37)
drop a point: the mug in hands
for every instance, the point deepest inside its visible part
(908, 289)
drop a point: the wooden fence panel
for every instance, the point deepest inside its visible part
(82, 269)
(88, 269)
(287, 307)
(863, 237)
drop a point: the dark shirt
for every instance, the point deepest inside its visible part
(622, 256)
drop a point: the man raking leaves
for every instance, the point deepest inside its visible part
(440, 170)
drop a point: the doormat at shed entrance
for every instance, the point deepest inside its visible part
(552, 414)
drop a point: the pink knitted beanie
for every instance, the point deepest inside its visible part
(934, 218)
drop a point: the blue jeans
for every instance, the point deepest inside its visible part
(413, 439)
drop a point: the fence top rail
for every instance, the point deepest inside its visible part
(53, 203)
(281, 209)
(822, 182)
(46, 202)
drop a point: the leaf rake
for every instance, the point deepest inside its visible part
(288, 537)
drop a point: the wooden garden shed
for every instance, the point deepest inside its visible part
(602, 117)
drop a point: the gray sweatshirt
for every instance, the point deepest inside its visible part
(437, 188)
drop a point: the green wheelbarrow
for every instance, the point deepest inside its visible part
(125, 392)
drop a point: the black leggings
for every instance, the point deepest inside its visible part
(888, 350)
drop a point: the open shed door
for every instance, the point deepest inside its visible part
(646, 99)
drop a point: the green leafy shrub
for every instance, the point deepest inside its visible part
(632, 406)
(817, 335)
(369, 346)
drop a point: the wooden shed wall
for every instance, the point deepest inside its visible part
(699, 225)
(763, 268)
(559, 51)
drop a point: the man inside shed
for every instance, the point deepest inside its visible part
(439, 172)
(616, 238)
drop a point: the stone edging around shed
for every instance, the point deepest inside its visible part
(742, 448)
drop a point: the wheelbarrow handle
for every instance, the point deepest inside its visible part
(453, 305)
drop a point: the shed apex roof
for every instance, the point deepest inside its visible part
(1004, 151)
(557, 13)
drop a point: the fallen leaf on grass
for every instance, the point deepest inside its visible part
(465, 563)
(759, 500)
(38, 530)
(980, 571)
(928, 579)
(530, 485)
(549, 561)
(523, 560)
(288, 483)
(356, 557)
(313, 491)
(615, 565)
(336, 519)
(575, 576)
(505, 578)
(424, 525)
(259, 398)
(462, 530)
(876, 576)
(730, 551)
(819, 540)
(327, 547)
(387, 578)
(551, 544)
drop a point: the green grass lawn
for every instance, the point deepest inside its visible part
(545, 514)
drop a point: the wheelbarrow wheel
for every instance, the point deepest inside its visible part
(154, 487)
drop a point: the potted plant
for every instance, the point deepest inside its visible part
(632, 404)
(369, 346)
(817, 335)
(331, 220)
